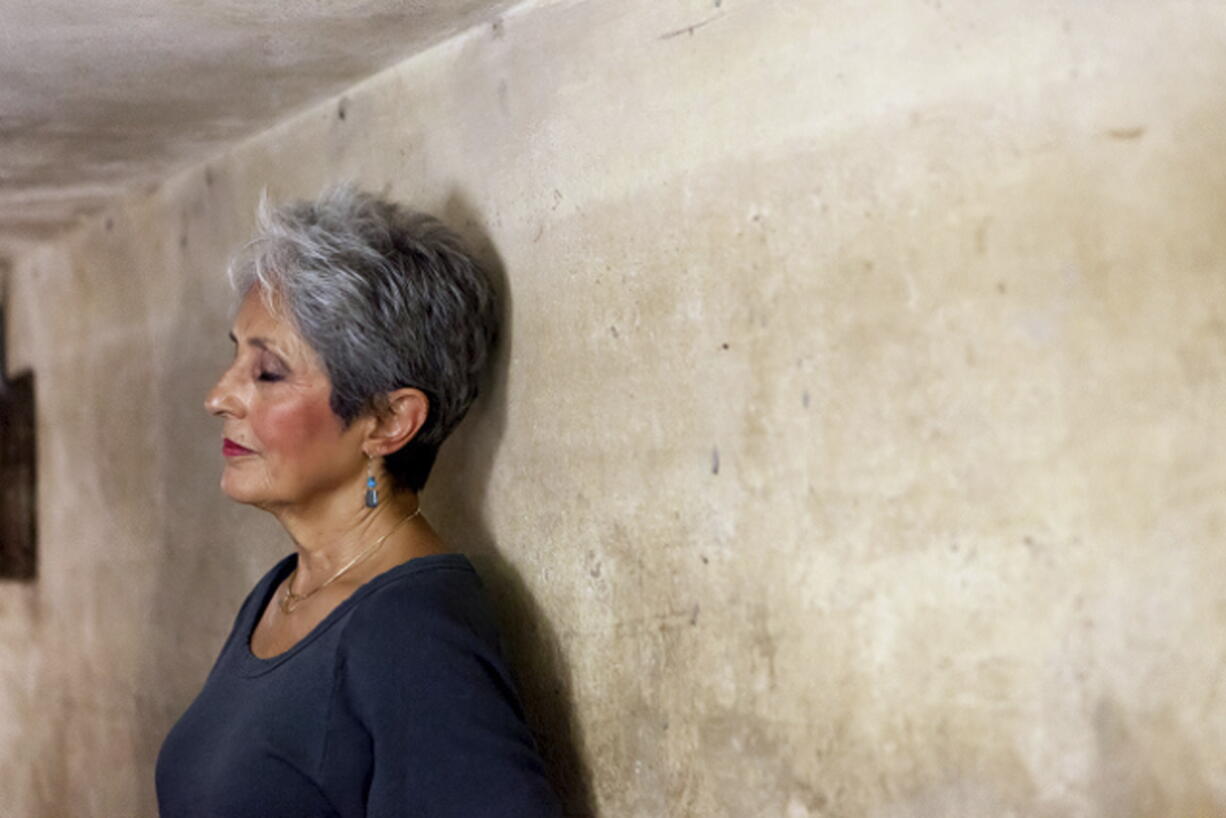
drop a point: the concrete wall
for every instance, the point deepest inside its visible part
(857, 449)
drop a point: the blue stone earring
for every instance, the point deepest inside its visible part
(372, 494)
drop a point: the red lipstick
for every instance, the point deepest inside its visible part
(231, 449)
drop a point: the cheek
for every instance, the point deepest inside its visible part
(295, 428)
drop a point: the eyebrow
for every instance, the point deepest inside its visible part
(263, 343)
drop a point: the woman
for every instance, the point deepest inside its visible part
(362, 676)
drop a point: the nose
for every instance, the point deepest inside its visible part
(222, 400)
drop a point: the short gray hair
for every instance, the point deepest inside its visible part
(387, 297)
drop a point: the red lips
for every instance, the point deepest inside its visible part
(231, 449)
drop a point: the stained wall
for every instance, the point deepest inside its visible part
(855, 448)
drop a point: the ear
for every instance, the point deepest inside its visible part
(406, 414)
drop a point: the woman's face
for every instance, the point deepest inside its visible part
(274, 401)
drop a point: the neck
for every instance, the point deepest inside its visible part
(329, 534)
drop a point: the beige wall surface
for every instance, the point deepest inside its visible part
(857, 446)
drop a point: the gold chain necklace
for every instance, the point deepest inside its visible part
(291, 600)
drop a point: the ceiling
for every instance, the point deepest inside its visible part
(98, 96)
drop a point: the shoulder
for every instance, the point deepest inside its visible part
(430, 633)
(423, 676)
(427, 605)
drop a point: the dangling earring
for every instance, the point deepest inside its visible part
(372, 494)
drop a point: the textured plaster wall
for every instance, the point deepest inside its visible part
(856, 448)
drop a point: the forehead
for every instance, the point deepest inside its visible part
(253, 314)
(255, 320)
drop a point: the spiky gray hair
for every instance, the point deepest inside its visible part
(387, 297)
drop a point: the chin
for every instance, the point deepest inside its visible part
(237, 490)
(257, 490)
(236, 496)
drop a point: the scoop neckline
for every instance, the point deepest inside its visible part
(255, 665)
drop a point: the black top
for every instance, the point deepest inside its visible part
(398, 703)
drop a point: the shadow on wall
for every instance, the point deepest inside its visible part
(457, 489)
